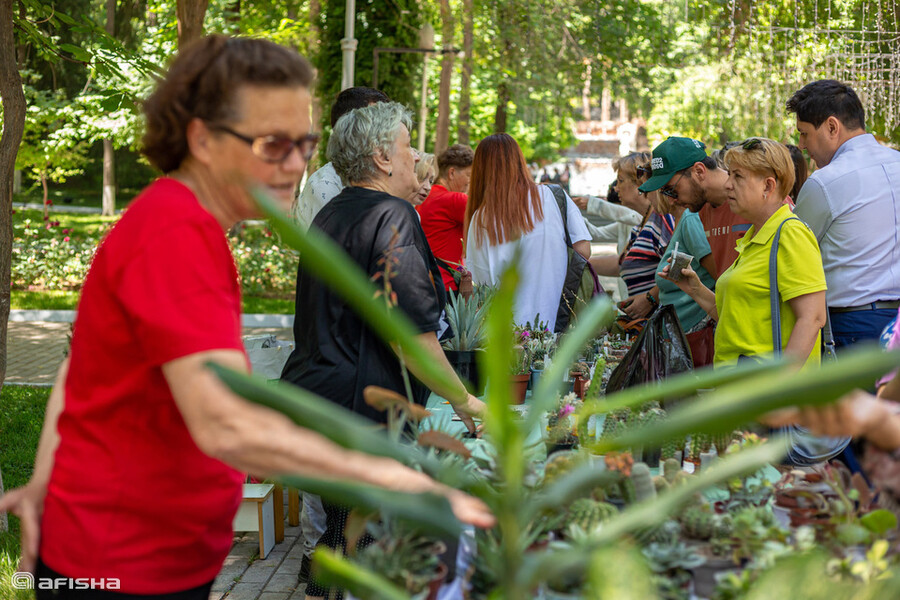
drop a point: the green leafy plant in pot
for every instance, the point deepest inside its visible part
(465, 316)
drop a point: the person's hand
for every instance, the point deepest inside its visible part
(637, 306)
(27, 503)
(580, 201)
(472, 407)
(689, 283)
(466, 508)
(469, 509)
(857, 414)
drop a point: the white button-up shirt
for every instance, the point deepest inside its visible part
(320, 188)
(852, 206)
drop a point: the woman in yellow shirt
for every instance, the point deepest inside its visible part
(760, 177)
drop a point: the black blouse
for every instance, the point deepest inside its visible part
(336, 355)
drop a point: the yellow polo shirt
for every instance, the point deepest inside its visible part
(742, 292)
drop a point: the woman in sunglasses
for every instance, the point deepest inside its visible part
(142, 456)
(761, 174)
(638, 262)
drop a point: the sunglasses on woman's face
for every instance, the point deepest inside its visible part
(275, 148)
(751, 144)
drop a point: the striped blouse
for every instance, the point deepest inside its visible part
(646, 248)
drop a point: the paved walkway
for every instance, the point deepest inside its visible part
(246, 577)
(35, 349)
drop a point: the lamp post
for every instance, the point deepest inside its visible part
(348, 46)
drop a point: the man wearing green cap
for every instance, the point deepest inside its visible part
(683, 172)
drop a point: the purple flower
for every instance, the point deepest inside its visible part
(566, 410)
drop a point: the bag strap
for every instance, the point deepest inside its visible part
(774, 295)
(560, 196)
(827, 336)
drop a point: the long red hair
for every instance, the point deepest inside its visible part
(503, 190)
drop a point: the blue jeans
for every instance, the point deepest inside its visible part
(853, 327)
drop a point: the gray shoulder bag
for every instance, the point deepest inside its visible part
(806, 448)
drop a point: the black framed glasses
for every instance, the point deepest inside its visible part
(669, 190)
(275, 148)
(644, 171)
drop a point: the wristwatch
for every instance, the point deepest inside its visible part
(651, 299)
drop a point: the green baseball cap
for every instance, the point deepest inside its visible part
(671, 156)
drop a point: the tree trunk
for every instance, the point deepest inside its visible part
(190, 15)
(442, 133)
(465, 84)
(234, 16)
(46, 188)
(502, 101)
(108, 201)
(13, 100)
(586, 92)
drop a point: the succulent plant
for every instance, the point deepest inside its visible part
(587, 513)
(698, 523)
(643, 482)
(700, 442)
(671, 469)
(667, 558)
(665, 534)
(721, 441)
(559, 464)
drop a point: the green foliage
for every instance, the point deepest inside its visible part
(51, 259)
(392, 25)
(267, 266)
(21, 418)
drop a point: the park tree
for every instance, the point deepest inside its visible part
(13, 101)
(190, 19)
(442, 134)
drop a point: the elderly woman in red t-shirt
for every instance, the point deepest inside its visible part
(139, 468)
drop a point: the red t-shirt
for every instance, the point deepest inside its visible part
(443, 214)
(131, 496)
(723, 230)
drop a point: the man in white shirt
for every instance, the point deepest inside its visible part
(852, 204)
(324, 184)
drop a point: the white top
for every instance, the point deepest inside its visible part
(542, 257)
(853, 206)
(320, 188)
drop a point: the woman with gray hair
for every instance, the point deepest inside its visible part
(337, 355)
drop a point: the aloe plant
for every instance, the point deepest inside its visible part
(466, 319)
(515, 571)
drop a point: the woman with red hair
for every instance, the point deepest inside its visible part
(509, 217)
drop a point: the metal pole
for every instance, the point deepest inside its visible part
(423, 107)
(348, 46)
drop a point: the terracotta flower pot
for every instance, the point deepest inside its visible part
(520, 387)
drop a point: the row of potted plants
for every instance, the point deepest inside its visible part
(544, 539)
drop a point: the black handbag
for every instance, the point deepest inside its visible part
(581, 283)
(806, 449)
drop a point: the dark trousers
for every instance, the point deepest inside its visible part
(333, 538)
(45, 573)
(853, 327)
